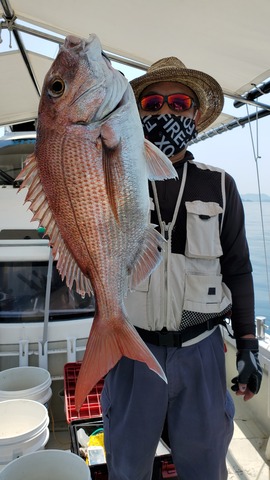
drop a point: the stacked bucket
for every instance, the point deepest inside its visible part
(24, 396)
(25, 393)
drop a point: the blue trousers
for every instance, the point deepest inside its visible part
(199, 411)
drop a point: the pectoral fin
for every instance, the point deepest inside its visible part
(113, 174)
(159, 166)
(148, 258)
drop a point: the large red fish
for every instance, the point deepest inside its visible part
(88, 187)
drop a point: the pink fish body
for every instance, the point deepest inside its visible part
(88, 187)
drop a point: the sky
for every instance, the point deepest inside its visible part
(235, 150)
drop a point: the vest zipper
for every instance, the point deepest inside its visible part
(166, 230)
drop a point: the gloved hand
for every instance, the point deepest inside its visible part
(248, 366)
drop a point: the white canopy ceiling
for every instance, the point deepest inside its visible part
(19, 98)
(229, 40)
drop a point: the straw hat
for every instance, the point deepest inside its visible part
(171, 69)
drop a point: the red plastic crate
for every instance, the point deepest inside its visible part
(91, 408)
(168, 470)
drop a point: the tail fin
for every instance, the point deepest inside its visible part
(104, 349)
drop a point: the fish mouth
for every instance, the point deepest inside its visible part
(115, 107)
(118, 106)
(98, 118)
(114, 82)
(75, 43)
(108, 80)
(85, 93)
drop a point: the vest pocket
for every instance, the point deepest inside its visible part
(203, 239)
(203, 293)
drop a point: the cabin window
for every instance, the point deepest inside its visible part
(23, 290)
(24, 252)
(13, 153)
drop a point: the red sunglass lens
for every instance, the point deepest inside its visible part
(179, 102)
(152, 102)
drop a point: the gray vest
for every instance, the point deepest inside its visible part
(185, 290)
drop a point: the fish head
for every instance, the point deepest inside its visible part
(81, 86)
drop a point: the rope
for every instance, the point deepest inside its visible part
(256, 158)
(258, 88)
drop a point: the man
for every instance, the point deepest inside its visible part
(205, 278)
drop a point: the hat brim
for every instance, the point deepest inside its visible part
(206, 88)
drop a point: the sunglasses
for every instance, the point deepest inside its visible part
(178, 102)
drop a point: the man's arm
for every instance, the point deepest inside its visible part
(237, 274)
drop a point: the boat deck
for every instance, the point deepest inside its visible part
(246, 458)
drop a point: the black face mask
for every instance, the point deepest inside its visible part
(170, 133)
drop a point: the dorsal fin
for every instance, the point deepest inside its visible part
(39, 206)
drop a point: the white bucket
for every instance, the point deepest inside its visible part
(23, 428)
(45, 465)
(31, 383)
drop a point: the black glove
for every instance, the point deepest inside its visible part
(248, 365)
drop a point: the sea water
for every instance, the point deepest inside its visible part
(259, 247)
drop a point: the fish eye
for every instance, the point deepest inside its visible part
(57, 87)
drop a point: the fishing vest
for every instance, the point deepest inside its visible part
(185, 290)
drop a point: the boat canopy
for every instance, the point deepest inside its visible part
(228, 40)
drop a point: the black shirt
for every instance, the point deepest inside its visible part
(204, 185)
